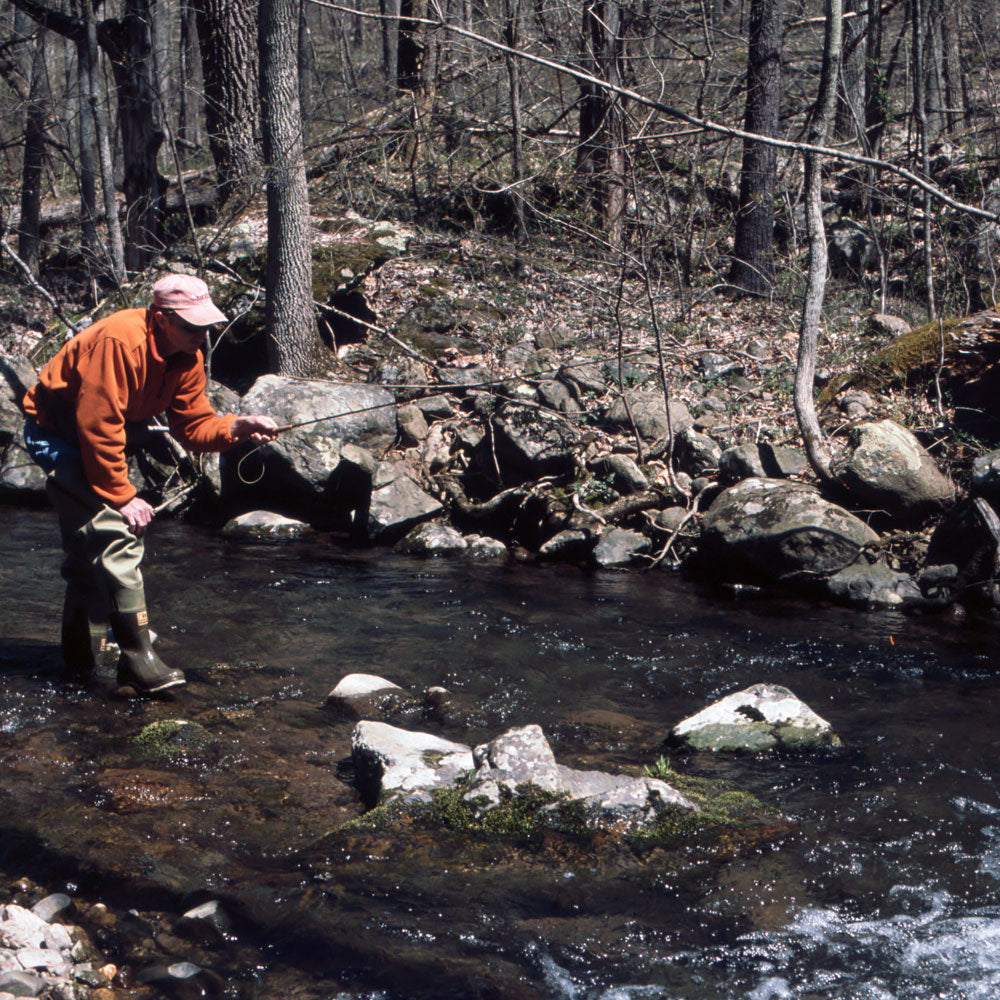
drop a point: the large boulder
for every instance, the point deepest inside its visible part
(300, 466)
(762, 717)
(778, 531)
(886, 467)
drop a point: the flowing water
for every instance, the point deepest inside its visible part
(886, 886)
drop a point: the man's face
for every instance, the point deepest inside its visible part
(179, 335)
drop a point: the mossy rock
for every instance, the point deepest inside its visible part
(173, 741)
(966, 350)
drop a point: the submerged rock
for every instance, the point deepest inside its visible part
(172, 739)
(762, 717)
(360, 696)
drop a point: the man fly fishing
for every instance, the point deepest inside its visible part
(122, 370)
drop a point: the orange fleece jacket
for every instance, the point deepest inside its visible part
(112, 373)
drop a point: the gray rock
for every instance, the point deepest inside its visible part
(780, 461)
(885, 466)
(670, 518)
(986, 477)
(856, 403)
(650, 414)
(20, 928)
(696, 453)
(265, 526)
(21, 984)
(873, 583)
(969, 539)
(209, 917)
(554, 337)
(884, 325)
(302, 461)
(397, 507)
(51, 906)
(742, 461)
(522, 759)
(47, 959)
(433, 539)
(17, 376)
(412, 424)
(626, 477)
(776, 530)
(713, 365)
(761, 717)
(363, 696)
(534, 442)
(20, 478)
(57, 938)
(516, 356)
(570, 543)
(177, 740)
(587, 377)
(619, 547)
(402, 375)
(391, 762)
(556, 395)
(485, 548)
(852, 249)
(436, 407)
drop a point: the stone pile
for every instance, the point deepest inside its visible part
(40, 956)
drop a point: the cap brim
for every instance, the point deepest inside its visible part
(204, 314)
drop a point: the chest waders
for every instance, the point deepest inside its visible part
(102, 572)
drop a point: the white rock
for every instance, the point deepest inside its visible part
(361, 686)
(20, 928)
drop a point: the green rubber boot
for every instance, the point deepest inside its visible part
(82, 640)
(138, 666)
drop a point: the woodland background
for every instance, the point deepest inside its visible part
(684, 174)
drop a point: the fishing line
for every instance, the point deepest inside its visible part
(430, 392)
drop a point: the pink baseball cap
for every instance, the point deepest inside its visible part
(189, 297)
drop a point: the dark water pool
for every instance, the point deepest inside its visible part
(886, 888)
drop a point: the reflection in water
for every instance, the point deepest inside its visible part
(887, 887)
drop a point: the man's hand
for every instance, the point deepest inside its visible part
(254, 427)
(138, 513)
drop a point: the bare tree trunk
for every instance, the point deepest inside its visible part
(293, 344)
(512, 37)
(918, 10)
(227, 31)
(116, 241)
(876, 97)
(412, 42)
(389, 9)
(28, 240)
(812, 305)
(753, 251)
(851, 106)
(188, 119)
(601, 151)
(87, 137)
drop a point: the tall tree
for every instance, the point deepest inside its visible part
(227, 32)
(601, 151)
(28, 240)
(293, 344)
(752, 269)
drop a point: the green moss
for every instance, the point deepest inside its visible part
(343, 265)
(171, 740)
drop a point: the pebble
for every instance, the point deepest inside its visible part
(39, 957)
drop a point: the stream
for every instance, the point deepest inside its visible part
(886, 886)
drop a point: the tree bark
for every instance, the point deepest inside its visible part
(28, 237)
(227, 32)
(293, 344)
(512, 37)
(812, 305)
(849, 121)
(87, 137)
(389, 9)
(753, 252)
